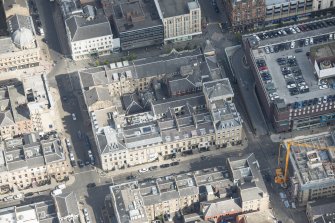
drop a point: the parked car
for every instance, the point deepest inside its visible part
(74, 118)
(71, 157)
(18, 196)
(164, 165)
(90, 185)
(131, 177)
(73, 163)
(143, 170)
(61, 186)
(153, 168)
(174, 163)
(85, 212)
(56, 192)
(80, 163)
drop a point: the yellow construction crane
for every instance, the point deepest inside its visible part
(282, 175)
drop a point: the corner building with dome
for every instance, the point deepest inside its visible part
(19, 50)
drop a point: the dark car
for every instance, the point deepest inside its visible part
(80, 163)
(29, 194)
(87, 162)
(174, 163)
(153, 168)
(73, 163)
(164, 165)
(131, 177)
(216, 9)
(90, 185)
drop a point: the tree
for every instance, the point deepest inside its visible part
(238, 37)
(131, 56)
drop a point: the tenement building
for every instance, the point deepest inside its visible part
(249, 14)
(157, 108)
(62, 209)
(294, 73)
(13, 7)
(26, 106)
(181, 19)
(19, 50)
(244, 15)
(313, 165)
(222, 193)
(137, 23)
(31, 160)
(89, 34)
(279, 11)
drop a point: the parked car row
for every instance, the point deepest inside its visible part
(291, 71)
(86, 215)
(13, 197)
(314, 101)
(295, 29)
(144, 170)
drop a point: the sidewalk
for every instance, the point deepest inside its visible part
(179, 158)
(281, 136)
(46, 187)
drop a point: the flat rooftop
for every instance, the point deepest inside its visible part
(279, 82)
(275, 2)
(170, 8)
(322, 51)
(314, 163)
(133, 15)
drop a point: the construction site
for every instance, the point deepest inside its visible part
(312, 166)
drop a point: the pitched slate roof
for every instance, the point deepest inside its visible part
(67, 204)
(82, 29)
(221, 207)
(96, 94)
(6, 118)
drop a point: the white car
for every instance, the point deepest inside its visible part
(311, 41)
(143, 170)
(292, 44)
(68, 144)
(297, 29)
(267, 50)
(56, 192)
(71, 157)
(306, 42)
(61, 186)
(85, 212)
(89, 153)
(74, 117)
(18, 196)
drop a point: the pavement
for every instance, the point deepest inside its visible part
(35, 191)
